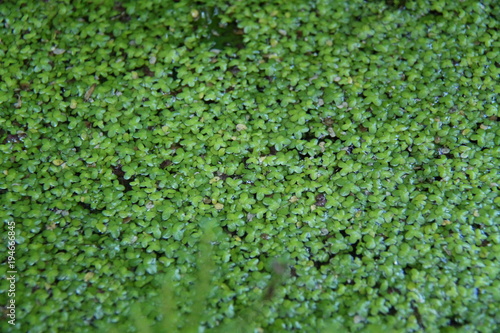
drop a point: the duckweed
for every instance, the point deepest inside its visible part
(280, 166)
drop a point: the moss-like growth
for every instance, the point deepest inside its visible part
(345, 154)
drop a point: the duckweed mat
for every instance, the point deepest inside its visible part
(250, 166)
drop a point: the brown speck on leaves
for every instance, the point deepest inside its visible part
(14, 138)
(89, 92)
(234, 70)
(272, 151)
(363, 129)
(165, 164)
(328, 121)
(223, 176)
(147, 71)
(25, 86)
(320, 200)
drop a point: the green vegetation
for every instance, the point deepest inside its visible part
(282, 166)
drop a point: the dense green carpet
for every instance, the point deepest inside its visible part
(307, 166)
